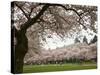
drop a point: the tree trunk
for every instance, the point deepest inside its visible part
(20, 50)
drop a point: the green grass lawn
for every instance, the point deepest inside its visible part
(57, 67)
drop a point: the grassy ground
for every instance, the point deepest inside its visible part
(57, 67)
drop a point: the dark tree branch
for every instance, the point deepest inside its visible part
(34, 20)
(67, 9)
(33, 9)
(79, 15)
(22, 11)
(30, 12)
(71, 9)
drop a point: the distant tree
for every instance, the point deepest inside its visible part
(77, 40)
(85, 40)
(93, 40)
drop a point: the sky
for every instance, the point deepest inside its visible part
(53, 43)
